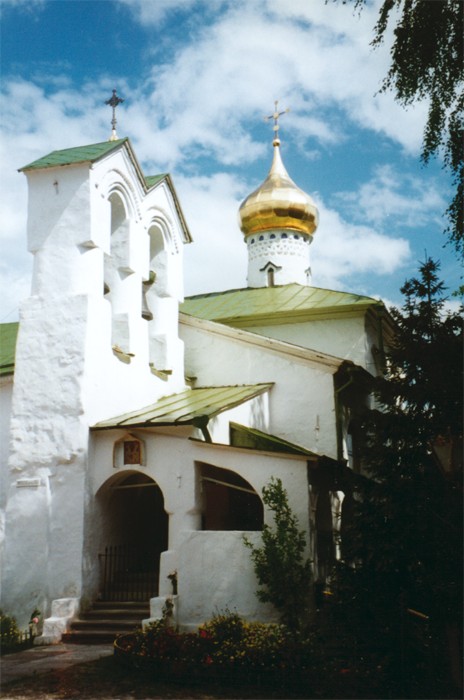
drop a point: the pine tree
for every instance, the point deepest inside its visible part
(402, 551)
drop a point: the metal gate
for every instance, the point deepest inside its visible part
(128, 573)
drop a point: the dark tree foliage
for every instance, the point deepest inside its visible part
(427, 61)
(403, 549)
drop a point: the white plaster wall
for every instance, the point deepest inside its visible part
(216, 573)
(301, 401)
(253, 413)
(6, 391)
(47, 459)
(342, 337)
(214, 568)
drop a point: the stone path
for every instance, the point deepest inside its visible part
(50, 658)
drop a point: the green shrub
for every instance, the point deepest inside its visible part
(10, 634)
(280, 566)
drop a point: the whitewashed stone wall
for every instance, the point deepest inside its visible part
(302, 406)
(68, 375)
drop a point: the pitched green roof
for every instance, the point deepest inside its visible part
(285, 304)
(8, 335)
(152, 180)
(190, 407)
(251, 438)
(80, 154)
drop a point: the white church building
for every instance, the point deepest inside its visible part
(138, 428)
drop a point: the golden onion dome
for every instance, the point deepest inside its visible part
(278, 204)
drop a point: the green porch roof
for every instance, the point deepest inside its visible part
(8, 335)
(285, 304)
(190, 407)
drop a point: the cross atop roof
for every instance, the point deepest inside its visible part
(276, 116)
(113, 102)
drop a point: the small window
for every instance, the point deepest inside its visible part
(261, 238)
(284, 235)
(272, 235)
(252, 241)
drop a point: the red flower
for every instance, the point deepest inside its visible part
(208, 660)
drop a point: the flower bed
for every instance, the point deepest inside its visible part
(226, 648)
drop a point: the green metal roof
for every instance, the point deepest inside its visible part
(86, 154)
(251, 438)
(190, 407)
(285, 304)
(8, 335)
(80, 154)
(152, 180)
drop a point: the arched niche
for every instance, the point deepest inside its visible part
(129, 451)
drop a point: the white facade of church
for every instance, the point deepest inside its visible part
(130, 426)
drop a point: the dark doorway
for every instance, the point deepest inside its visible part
(136, 527)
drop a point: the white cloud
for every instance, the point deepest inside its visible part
(153, 12)
(342, 251)
(197, 117)
(217, 259)
(313, 54)
(392, 197)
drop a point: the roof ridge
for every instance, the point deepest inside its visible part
(282, 286)
(66, 156)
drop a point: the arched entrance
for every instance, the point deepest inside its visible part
(134, 533)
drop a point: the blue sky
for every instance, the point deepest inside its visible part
(198, 76)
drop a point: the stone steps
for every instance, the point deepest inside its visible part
(105, 621)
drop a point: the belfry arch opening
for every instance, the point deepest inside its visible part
(116, 269)
(158, 257)
(157, 300)
(134, 532)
